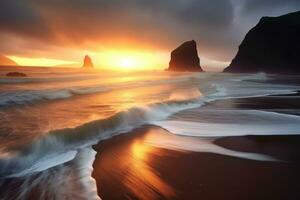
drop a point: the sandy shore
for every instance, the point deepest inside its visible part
(127, 167)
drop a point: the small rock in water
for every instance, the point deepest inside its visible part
(16, 74)
(87, 62)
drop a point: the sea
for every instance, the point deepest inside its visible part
(50, 120)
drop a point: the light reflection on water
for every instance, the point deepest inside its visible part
(27, 122)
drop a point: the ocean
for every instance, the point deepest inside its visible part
(51, 120)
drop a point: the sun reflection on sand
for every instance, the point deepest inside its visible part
(131, 168)
(139, 151)
(141, 178)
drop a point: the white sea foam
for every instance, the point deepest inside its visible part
(197, 144)
(72, 180)
(252, 77)
(199, 136)
(23, 97)
(42, 152)
(243, 122)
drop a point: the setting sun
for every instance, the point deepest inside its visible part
(130, 60)
(128, 63)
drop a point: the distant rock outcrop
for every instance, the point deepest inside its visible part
(185, 58)
(5, 61)
(16, 74)
(87, 62)
(272, 46)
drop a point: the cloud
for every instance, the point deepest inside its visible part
(218, 26)
(254, 6)
(142, 23)
(20, 18)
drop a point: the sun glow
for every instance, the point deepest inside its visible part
(131, 60)
(128, 62)
(106, 59)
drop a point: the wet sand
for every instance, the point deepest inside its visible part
(275, 103)
(127, 167)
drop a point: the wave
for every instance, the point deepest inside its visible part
(10, 80)
(22, 97)
(65, 156)
(209, 84)
(253, 77)
(254, 122)
(29, 96)
(72, 180)
(60, 146)
(200, 144)
(61, 143)
(230, 90)
(59, 164)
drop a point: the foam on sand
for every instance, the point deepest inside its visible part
(255, 123)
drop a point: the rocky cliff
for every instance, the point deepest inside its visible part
(272, 46)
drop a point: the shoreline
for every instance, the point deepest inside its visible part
(170, 174)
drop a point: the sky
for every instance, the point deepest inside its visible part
(129, 34)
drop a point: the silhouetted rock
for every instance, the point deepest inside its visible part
(16, 74)
(272, 46)
(185, 58)
(6, 61)
(87, 62)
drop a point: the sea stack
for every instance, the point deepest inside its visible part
(185, 58)
(87, 62)
(272, 46)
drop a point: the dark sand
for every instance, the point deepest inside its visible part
(167, 174)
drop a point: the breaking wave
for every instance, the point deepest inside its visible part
(22, 97)
(60, 146)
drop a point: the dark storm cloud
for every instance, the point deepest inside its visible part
(254, 6)
(19, 17)
(156, 23)
(138, 18)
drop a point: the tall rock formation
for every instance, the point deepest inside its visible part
(5, 61)
(185, 58)
(272, 46)
(87, 62)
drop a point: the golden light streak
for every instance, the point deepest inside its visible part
(42, 62)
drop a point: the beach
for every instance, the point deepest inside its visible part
(148, 136)
(161, 172)
(169, 174)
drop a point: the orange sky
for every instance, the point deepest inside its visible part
(131, 34)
